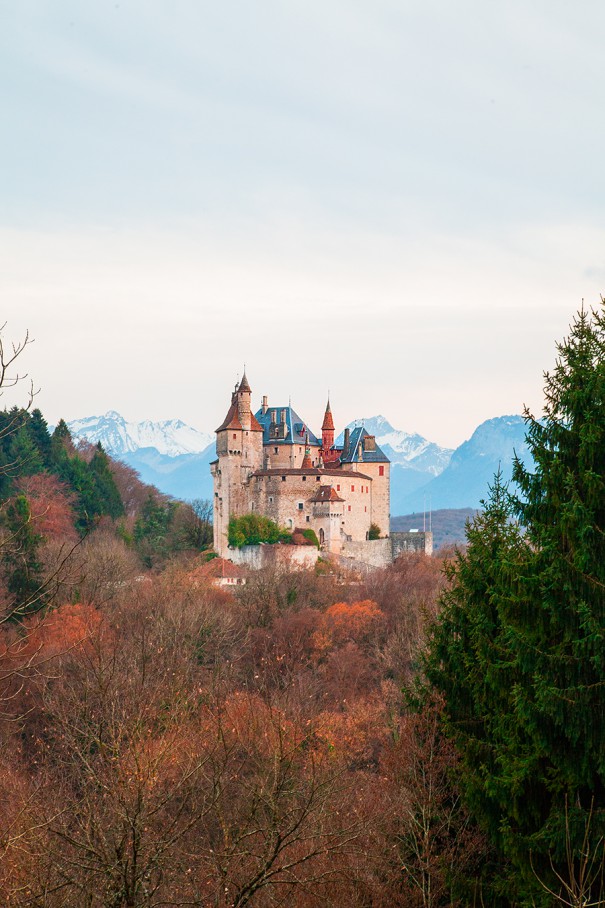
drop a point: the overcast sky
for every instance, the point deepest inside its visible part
(401, 202)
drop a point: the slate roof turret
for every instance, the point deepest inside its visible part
(358, 452)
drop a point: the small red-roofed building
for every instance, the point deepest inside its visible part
(221, 572)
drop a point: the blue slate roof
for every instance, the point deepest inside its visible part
(296, 428)
(357, 452)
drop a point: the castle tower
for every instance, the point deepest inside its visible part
(327, 431)
(239, 448)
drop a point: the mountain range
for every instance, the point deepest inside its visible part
(175, 457)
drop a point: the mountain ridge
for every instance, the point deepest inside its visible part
(175, 457)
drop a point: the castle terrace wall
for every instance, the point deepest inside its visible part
(290, 557)
(404, 543)
(374, 553)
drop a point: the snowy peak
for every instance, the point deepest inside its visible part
(409, 449)
(170, 437)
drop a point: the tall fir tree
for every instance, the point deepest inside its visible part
(20, 559)
(110, 501)
(520, 649)
(38, 432)
(24, 457)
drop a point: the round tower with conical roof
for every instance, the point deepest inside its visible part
(239, 448)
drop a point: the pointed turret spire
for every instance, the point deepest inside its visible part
(327, 432)
(328, 422)
(244, 385)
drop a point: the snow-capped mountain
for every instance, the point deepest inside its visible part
(170, 437)
(176, 458)
(405, 448)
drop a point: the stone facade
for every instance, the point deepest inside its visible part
(270, 462)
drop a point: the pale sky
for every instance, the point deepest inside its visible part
(401, 202)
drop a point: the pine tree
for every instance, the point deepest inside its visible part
(557, 618)
(468, 660)
(38, 431)
(22, 567)
(110, 502)
(25, 458)
(520, 652)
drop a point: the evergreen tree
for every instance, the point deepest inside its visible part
(38, 432)
(107, 491)
(24, 457)
(468, 662)
(152, 530)
(22, 567)
(519, 651)
(61, 444)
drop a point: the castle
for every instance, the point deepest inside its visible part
(271, 463)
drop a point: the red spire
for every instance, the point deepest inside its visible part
(328, 422)
(327, 434)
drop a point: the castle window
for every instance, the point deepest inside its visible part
(352, 488)
(381, 471)
(300, 505)
(308, 519)
(366, 510)
(304, 479)
(235, 434)
(367, 489)
(349, 507)
(317, 478)
(270, 499)
(338, 488)
(283, 479)
(275, 450)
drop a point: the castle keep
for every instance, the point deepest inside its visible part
(270, 462)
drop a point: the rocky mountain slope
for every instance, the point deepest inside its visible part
(470, 472)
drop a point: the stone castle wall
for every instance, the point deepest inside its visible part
(404, 543)
(290, 557)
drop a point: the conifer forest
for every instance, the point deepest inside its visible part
(430, 735)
